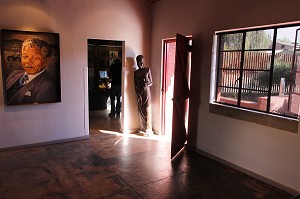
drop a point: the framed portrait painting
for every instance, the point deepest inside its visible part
(30, 67)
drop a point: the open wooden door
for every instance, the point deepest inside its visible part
(181, 93)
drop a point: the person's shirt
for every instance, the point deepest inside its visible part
(116, 74)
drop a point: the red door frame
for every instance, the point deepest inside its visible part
(164, 81)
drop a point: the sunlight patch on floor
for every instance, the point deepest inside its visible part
(165, 138)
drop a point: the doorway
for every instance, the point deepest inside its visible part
(169, 50)
(168, 70)
(101, 55)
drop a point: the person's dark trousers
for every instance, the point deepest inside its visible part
(115, 93)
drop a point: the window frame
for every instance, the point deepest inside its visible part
(241, 70)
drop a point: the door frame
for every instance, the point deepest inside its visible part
(86, 88)
(163, 79)
(163, 82)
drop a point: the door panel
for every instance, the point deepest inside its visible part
(181, 94)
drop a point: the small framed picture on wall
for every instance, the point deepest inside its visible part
(113, 54)
(30, 67)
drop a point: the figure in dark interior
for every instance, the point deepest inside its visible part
(115, 93)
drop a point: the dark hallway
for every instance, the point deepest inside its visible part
(110, 165)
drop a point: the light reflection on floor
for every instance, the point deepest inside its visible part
(164, 138)
(99, 122)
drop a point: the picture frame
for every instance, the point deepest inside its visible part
(113, 54)
(30, 67)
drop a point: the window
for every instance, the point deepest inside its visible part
(259, 69)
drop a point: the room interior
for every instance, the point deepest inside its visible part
(101, 55)
(113, 165)
(267, 153)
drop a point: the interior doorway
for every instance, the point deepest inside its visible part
(101, 55)
(169, 50)
(168, 69)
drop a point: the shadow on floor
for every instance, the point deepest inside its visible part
(109, 165)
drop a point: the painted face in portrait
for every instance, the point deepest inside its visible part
(33, 60)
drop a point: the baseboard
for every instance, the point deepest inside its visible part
(243, 170)
(45, 143)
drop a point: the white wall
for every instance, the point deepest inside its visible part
(75, 21)
(266, 151)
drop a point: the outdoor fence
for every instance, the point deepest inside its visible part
(255, 64)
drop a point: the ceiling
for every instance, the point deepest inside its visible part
(153, 1)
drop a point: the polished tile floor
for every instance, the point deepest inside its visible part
(110, 165)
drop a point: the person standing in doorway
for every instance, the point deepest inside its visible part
(143, 82)
(116, 75)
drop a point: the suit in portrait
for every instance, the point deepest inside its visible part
(41, 89)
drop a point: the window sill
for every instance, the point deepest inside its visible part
(278, 122)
